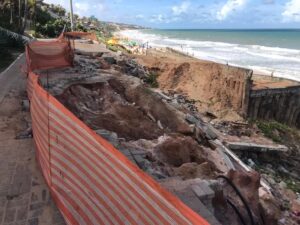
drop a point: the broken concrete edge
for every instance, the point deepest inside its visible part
(246, 95)
(58, 87)
(210, 132)
(241, 163)
(198, 194)
(243, 146)
(161, 94)
(203, 190)
(226, 159)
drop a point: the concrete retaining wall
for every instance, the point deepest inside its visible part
(235, 88)
(231, 87)
(280, 104)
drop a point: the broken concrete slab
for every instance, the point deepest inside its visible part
(112, 137)
(141, 161)
(203, 191)
(226, 159)
(240, 162)
(162, 95)
(191, 119)
(244, 146)
(209, 131)
(183, 190)
(191, 200)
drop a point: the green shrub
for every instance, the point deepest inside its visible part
(52, 28)
(80, 27)
(152, 80)
(272, 129)
(42, 16)
(112, 48)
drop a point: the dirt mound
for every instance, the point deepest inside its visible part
(194, 170)
(160, 112)
(132, 112)
(179, 150)
(103, 106)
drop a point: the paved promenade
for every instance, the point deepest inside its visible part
(24, 196)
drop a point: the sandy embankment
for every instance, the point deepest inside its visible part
(192, 78)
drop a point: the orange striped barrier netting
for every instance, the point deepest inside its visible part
(90, 181)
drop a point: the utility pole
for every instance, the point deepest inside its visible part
(71, 15)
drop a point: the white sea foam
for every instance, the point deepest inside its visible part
(282, 62)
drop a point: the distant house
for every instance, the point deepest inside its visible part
(92, 26)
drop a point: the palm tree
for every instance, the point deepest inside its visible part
(71, 15)
(20, 17)
(33, 18)
(25, 16)
(29, 12)
(11, 12)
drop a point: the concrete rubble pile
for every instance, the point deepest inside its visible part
(165, 136)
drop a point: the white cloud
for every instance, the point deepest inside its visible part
(99, 7)
(65, 4)
(140, 16)
(180, 9)
(269, 2)
(292, 11)
(160, 18)
(157, 18)
(229, 7)
(81, 8)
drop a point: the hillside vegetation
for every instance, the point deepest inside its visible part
(41, 20)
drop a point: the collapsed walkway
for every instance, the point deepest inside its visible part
(161, 135)
(91, 181)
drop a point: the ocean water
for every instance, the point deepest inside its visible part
(264, 51)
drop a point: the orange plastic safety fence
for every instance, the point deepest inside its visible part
(46, 55)
(90, 181)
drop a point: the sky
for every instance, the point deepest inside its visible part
(192, 14)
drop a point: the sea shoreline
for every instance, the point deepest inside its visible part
(268, 79)
(258, 70)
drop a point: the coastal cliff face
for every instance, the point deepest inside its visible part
(280, 104)
(221, 89)
(231, 87)
(227, 91)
